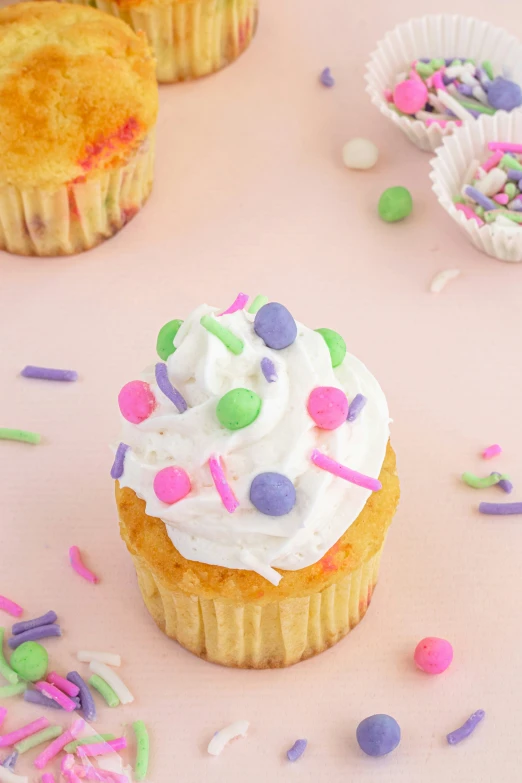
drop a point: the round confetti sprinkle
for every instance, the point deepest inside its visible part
(395, 204)
(238, 408)
(171, 485)
(378, 735)
(504, 94)
(275, 326)
(360, 154)
(272, 494)
(433, 655)
(410, 96)
(136, 401)
(328, 407)
(165, 344)
(30, 661)
(336, 345)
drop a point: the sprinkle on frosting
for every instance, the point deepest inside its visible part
(226, 735)
(162, 379)
(49, 374)
(331, 466)
(275, 326)
(257, 304)
(229, 340)
(356, 407)
(171, 484)
(119, 461)
(466, 729)
(75, 559)
(238, 304)
(268, 369)
(223, 487)
(136, 401)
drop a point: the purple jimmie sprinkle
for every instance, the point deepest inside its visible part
(87, 704)
(162, 379)
(10, 761)
(48, 374)
(326, 78)
(500, 508)
(468, 728)
(35, 697)
(297, 750)
(269, 370)
(28, 625)
(42, 632)
(480, 198)
(119, 461)
(504, 484)
(465, 89)
(356, 406)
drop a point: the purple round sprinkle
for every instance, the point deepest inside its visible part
(297, 750)
(87, 704)
(356, 406)
(275, 326)
(269, 370)
(48, 374)
(480, 198)
(272, 494)
(500, 508)
(378, 735)
(119, 461)
(326, 78)
(42, 632)
(504, 94)
(10, 761)
(28, 625)
(468, 728)
(35, 697)
(162, 379)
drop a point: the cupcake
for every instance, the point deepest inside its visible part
(255, 484)
(190, 38)
(78, 100)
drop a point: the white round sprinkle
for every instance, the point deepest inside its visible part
(360, 154)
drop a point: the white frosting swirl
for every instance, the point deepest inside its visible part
(281, 439)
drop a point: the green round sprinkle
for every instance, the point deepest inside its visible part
(479, 211)
(459, 200)
(424, 69)
(105, 690)
(142, 750)
(12, 690)
(259, 302)
(336, 345)
(510, 189)
(50, 733)
(488, 67)
(482, 483)
(165, 344)
(437, 63)
(229, 340)
(94, 739)
(238, 408)
(30, 661)
(395, 204)
(5, 670)
(23, 435)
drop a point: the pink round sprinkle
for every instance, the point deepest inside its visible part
(433, 655)
(171, 484)
(410, 96)
(492, 451)
(136, 401)
(328, 407)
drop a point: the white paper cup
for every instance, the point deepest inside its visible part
(437, 36)
(450, 165)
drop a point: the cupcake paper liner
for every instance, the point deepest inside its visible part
(450, 166)
(76, 216)
(437, 36)
(190, 39)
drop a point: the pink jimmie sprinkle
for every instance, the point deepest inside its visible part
(101, 748)
(238, 304)
(64, 685)
(331, 466)
(437, 81)
(441, 123)
(492, 451)
(501, 198)
(10, 607)
(492, 161)
(502, 146)
(469, 213)
(53, 693)
(58, 744)
(26, 731)
(223, 487)
(48, 778)
(76, 562)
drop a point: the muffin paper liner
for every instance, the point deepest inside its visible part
(437, 36)
(76, 216)
(450, 165)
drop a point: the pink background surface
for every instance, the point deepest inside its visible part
(251, 195)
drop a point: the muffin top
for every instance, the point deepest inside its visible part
(78, 93)
(256, 440)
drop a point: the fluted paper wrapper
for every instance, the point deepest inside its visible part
(437, 36)
(450, 165)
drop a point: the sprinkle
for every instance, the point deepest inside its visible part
(88, 706)
(477, 107)
(12, 690)
(56, 695)
(111, 659)
(104, 690)
(119, 461)
(10, 607)
(501, 509)
(96, 774)
(259, 302)
(35, 697)
(15, 736)
(505, 147)
(102, 748)
(269, 370)
(453, 105)
(47, 374)
(479, 197)
(142, 750)
(50, 733)
(223, 487)
(469, 213)
(22, 435)
(28, 625)
(331, 466)
(492, 451)
(297, 750)
(48, 778)
(326, 78)
(238, 304)
(5, 670)
(71, 747)
(162, 379)
(10, 761)
(55, 747)
(468, 728)
(229, 340)
(64, 685)
(492, 161)
(356, 407)
(442, 278)
(33, 635)
(504, 484)
(223, 737)
(488, 68)
(6, 776)
(77, 564)
(112, 679)
(3, 713)
(482, 483)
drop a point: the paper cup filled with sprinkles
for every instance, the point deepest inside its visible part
(477, 177)
(433, 74)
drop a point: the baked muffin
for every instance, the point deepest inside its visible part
(78, 100)
(247, 485)
(190, 38)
